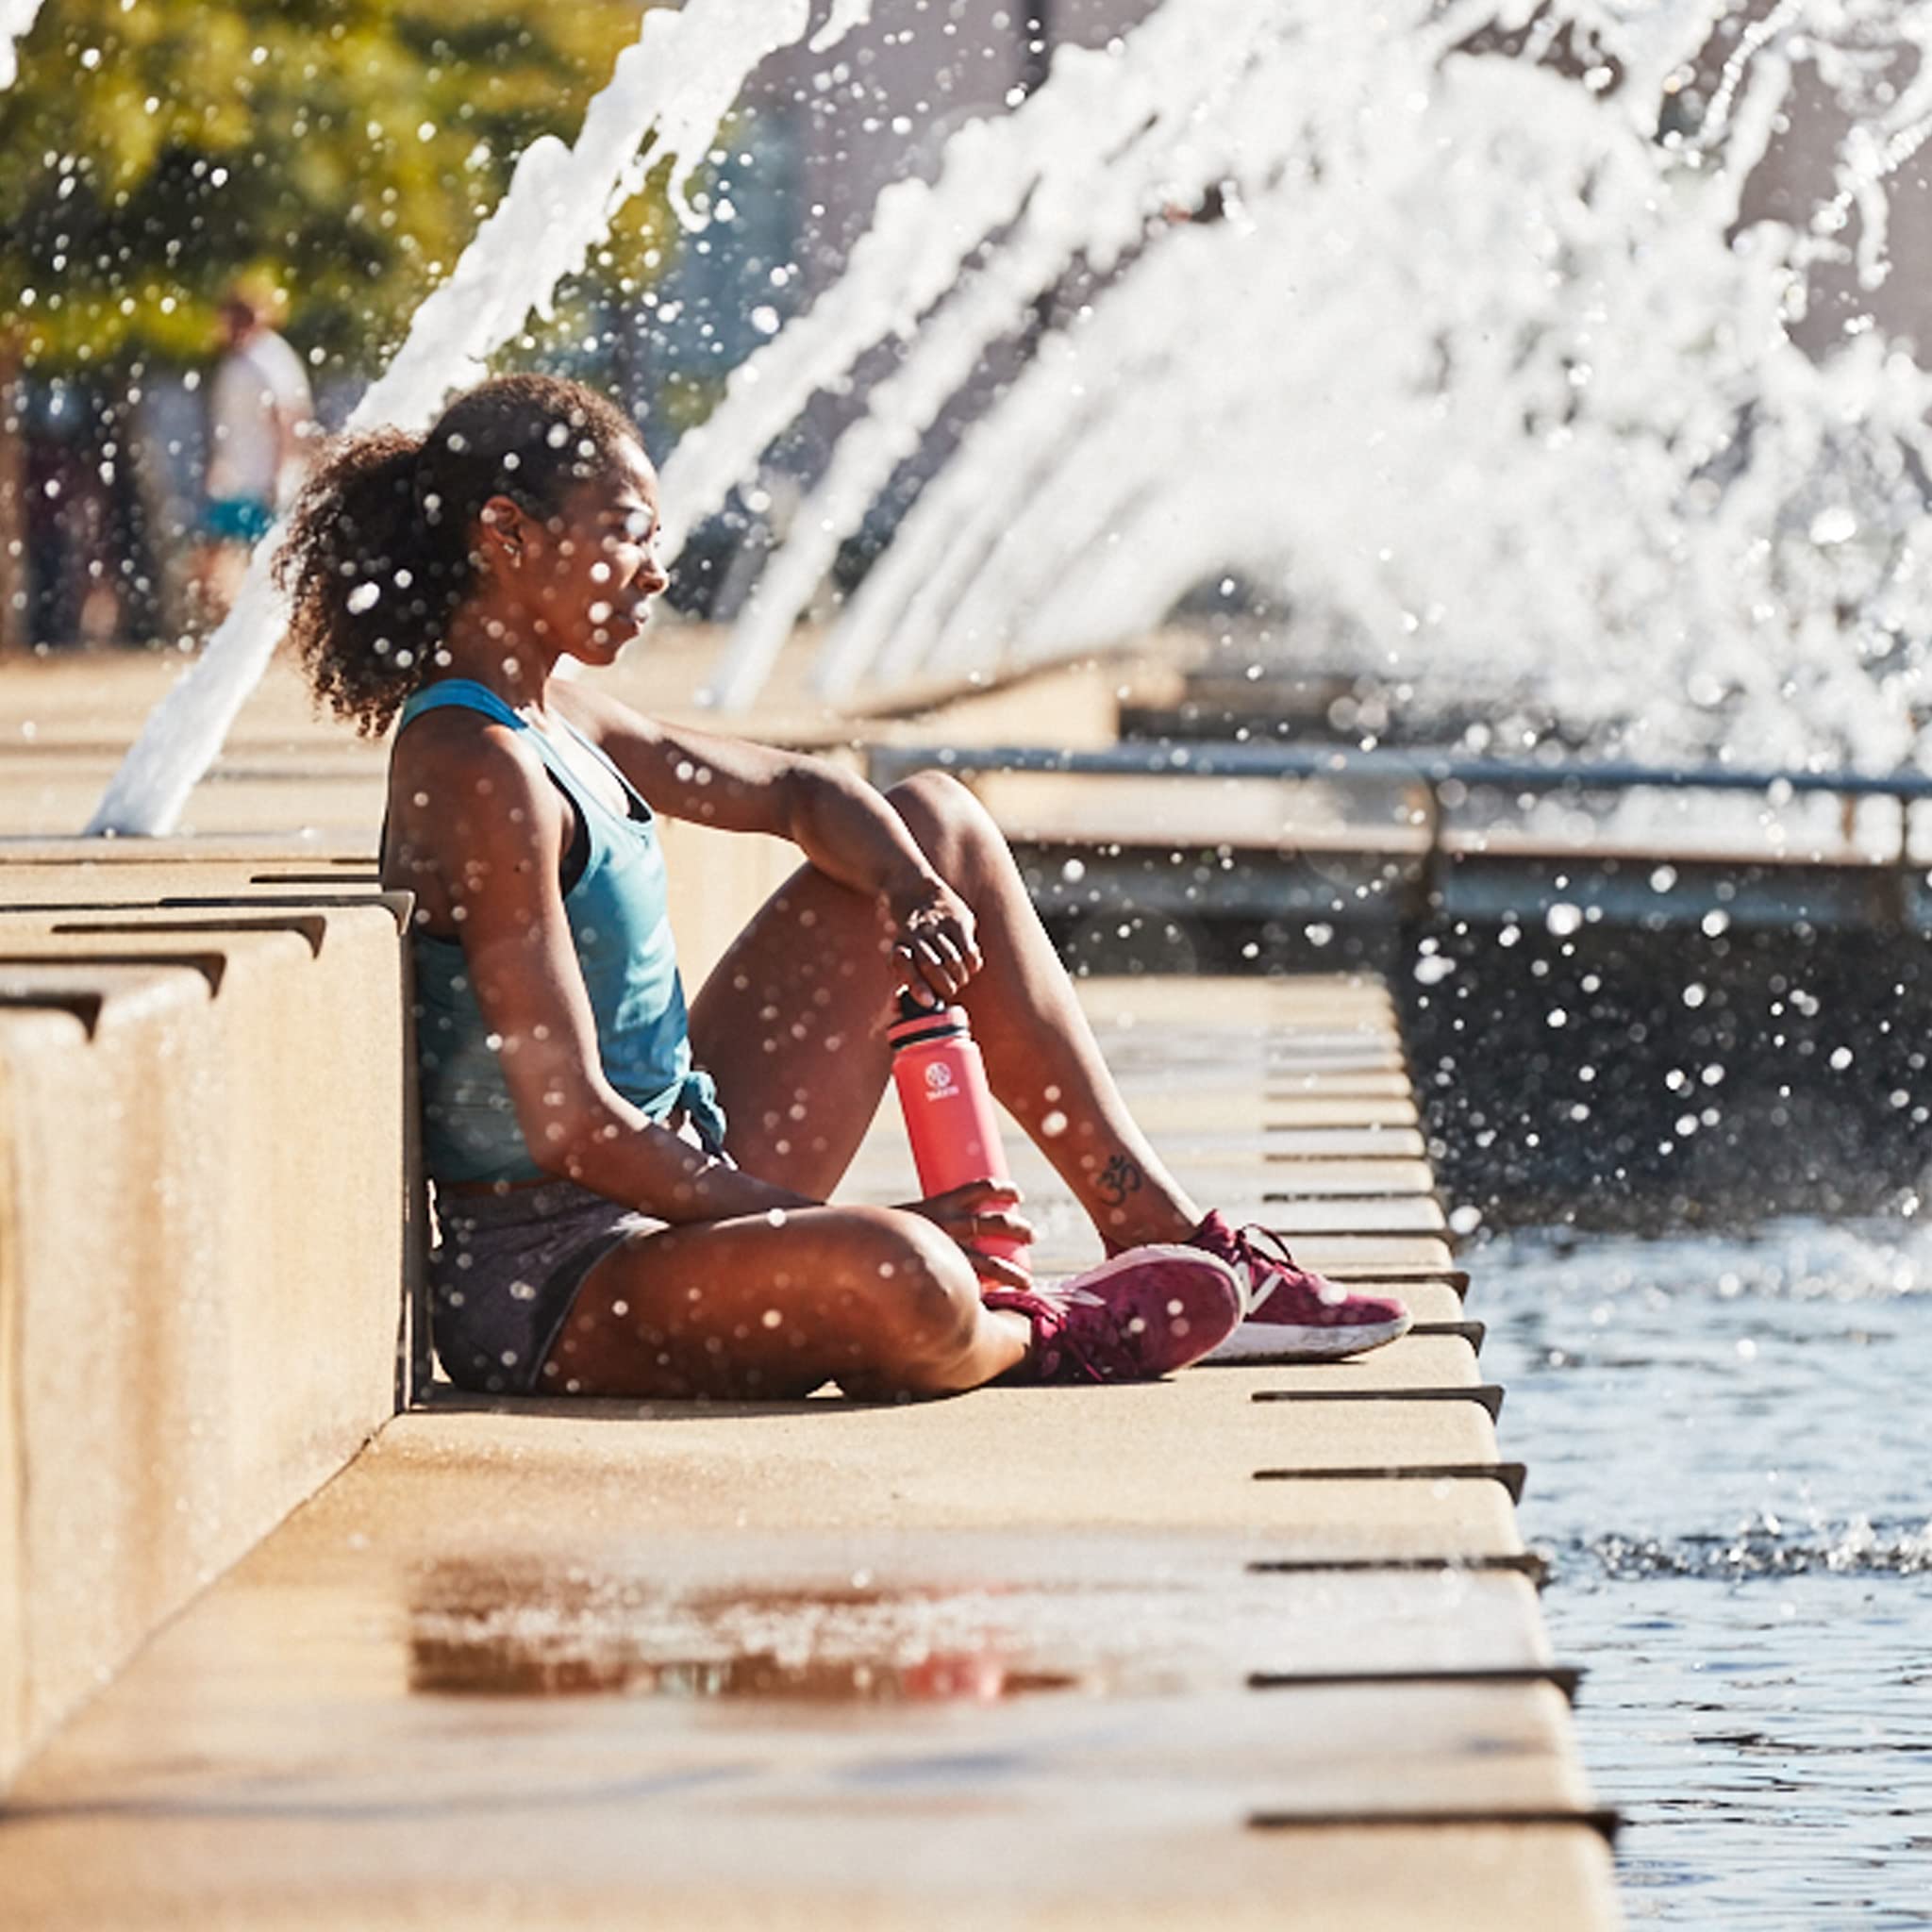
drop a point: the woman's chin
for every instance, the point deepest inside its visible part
(605, 642)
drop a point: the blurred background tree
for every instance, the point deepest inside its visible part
(345, 148)
(154, 151)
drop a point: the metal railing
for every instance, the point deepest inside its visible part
(888, 763)
(1440, 783)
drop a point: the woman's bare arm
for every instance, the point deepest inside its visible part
(841, 824)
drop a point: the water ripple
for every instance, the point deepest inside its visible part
(1876, 1261)
(1860, 1548)
(1727, 1439)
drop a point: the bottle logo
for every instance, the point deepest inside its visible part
(938, 1078)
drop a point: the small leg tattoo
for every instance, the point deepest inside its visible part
(1119, 1178)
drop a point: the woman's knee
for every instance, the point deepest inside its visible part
(949, 822)
(922, 1285)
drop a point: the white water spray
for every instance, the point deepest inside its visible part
(16, 22)
(1648, 520)
(1473, 378)
(1145, 125)
(913, 253)
(672, 86)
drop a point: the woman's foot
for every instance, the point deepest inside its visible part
(1294, 1315)
(1138, 1316)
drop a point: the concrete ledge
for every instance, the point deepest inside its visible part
(717, 879)
(202, 1259)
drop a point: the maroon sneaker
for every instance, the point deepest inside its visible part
(1294, 1315)
(1141, 1314)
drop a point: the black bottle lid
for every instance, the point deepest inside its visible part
(917, 1021)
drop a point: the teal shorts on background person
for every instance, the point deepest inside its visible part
(238, 519)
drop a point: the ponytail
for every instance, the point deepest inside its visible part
(371, 581)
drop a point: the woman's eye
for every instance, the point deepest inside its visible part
(637, 525)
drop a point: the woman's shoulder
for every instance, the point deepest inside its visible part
(453, 753)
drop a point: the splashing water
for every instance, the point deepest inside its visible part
(16, 20)
(664, 101)
(1609, 425)
(1422, 324)
(1029, 173)
(1136, 116)
(1771, 1547)
(1726, 1449)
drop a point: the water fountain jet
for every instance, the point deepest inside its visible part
(16, 22)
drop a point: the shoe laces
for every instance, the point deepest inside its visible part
(1263, 1248)
(1051, 1300)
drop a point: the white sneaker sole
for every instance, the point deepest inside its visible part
(1285, 1341)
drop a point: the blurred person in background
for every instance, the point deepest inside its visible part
(260, 416)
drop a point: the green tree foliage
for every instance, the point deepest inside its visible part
(151, 151)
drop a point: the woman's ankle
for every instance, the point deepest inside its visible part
(1121, 1228)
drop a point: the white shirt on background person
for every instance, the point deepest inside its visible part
(258, 400)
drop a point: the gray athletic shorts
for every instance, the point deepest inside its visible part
(505, 1270)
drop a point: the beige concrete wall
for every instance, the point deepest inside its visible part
(202, 1255)
(717, 881)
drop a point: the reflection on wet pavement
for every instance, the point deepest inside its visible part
(896, 1620)
(478, 1630)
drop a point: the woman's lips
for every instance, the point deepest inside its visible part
(606, 618)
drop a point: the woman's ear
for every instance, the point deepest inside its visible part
(504, 532)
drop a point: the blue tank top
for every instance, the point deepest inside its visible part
(616, 908)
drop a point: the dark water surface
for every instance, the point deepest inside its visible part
(1731, 1470)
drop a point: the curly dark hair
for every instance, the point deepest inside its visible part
(378, 553)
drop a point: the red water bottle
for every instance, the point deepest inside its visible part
(948, 1108)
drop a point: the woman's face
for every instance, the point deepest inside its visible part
(584, 577)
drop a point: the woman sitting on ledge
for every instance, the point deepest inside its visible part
(630, 1200)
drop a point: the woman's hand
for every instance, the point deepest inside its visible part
(933, 944)
(972, 1213)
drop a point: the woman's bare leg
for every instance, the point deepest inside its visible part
(1042, 1058)
(874, 1299)
(793, 1025)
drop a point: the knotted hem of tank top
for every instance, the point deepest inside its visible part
(695, 1097)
